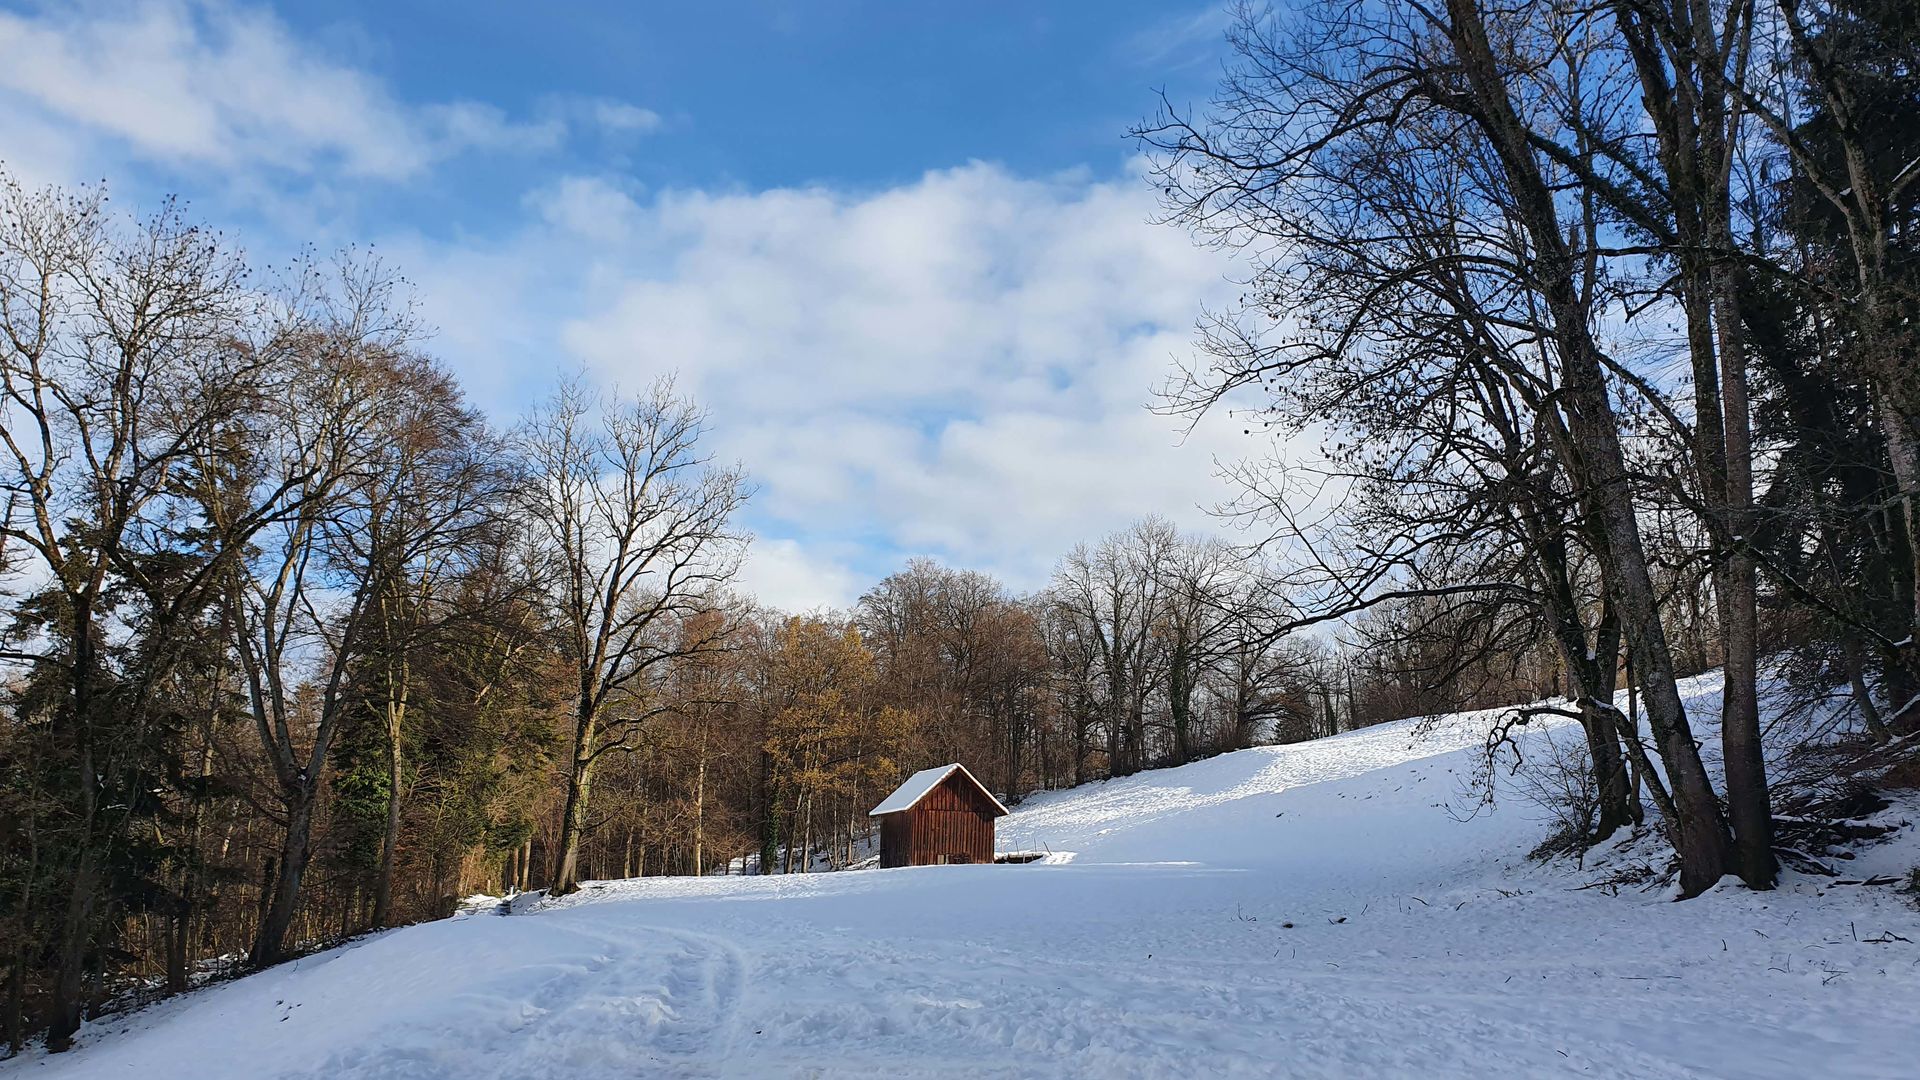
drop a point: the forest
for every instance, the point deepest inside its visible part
(1601, 315)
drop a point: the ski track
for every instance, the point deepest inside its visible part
(1155, 943)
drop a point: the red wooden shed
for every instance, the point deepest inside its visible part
(940, 815)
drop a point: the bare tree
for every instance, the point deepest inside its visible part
(1112, 593)
(310, 595)
(119, 361)
(1345, 111)
(432, 510)
(1197, 581)
(635, 528)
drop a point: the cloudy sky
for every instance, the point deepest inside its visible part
(900, 251)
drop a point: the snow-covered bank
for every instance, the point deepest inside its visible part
(1314, 910)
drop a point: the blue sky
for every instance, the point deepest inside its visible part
(901, 251)
(764, 94)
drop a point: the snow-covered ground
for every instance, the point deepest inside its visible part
(1313, 910)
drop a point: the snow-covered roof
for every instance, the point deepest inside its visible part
(919, 784)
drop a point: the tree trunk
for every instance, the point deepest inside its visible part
(1700, 834)
(786, 853)
(181, 919)
(1080, 745)
(1591, 663)
(1180, 705)
(700, 811)
(1904, 456)
(1593, 445)
(65, 1012)
(806, 830)
(13, 1021)
(769, 816)
(178, 929)
(67, 1009)
(1749, 806)
(296, 849)
(1615, 794)
(1862, 694)
(390, 839)
(573, 818)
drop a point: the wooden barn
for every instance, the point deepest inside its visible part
(940, 815)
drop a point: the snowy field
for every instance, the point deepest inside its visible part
(1315, 910)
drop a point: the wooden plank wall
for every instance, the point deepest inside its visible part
(953, 820)
(896, 839)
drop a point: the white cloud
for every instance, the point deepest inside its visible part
(206, 83)
(1181, 40)
(790, 576)
(37, 151)
(959, 366)
(620, 117)
(469, 125)
(587, 207)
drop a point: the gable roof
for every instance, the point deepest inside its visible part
(922, 783)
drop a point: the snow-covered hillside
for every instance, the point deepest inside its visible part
(1314, 910)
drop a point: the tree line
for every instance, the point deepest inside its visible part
(299, 644)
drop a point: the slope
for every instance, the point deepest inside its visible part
(1326, 909)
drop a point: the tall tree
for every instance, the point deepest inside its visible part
(1291, 160)
(303, 609)
(117, 365)
(635, 529)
